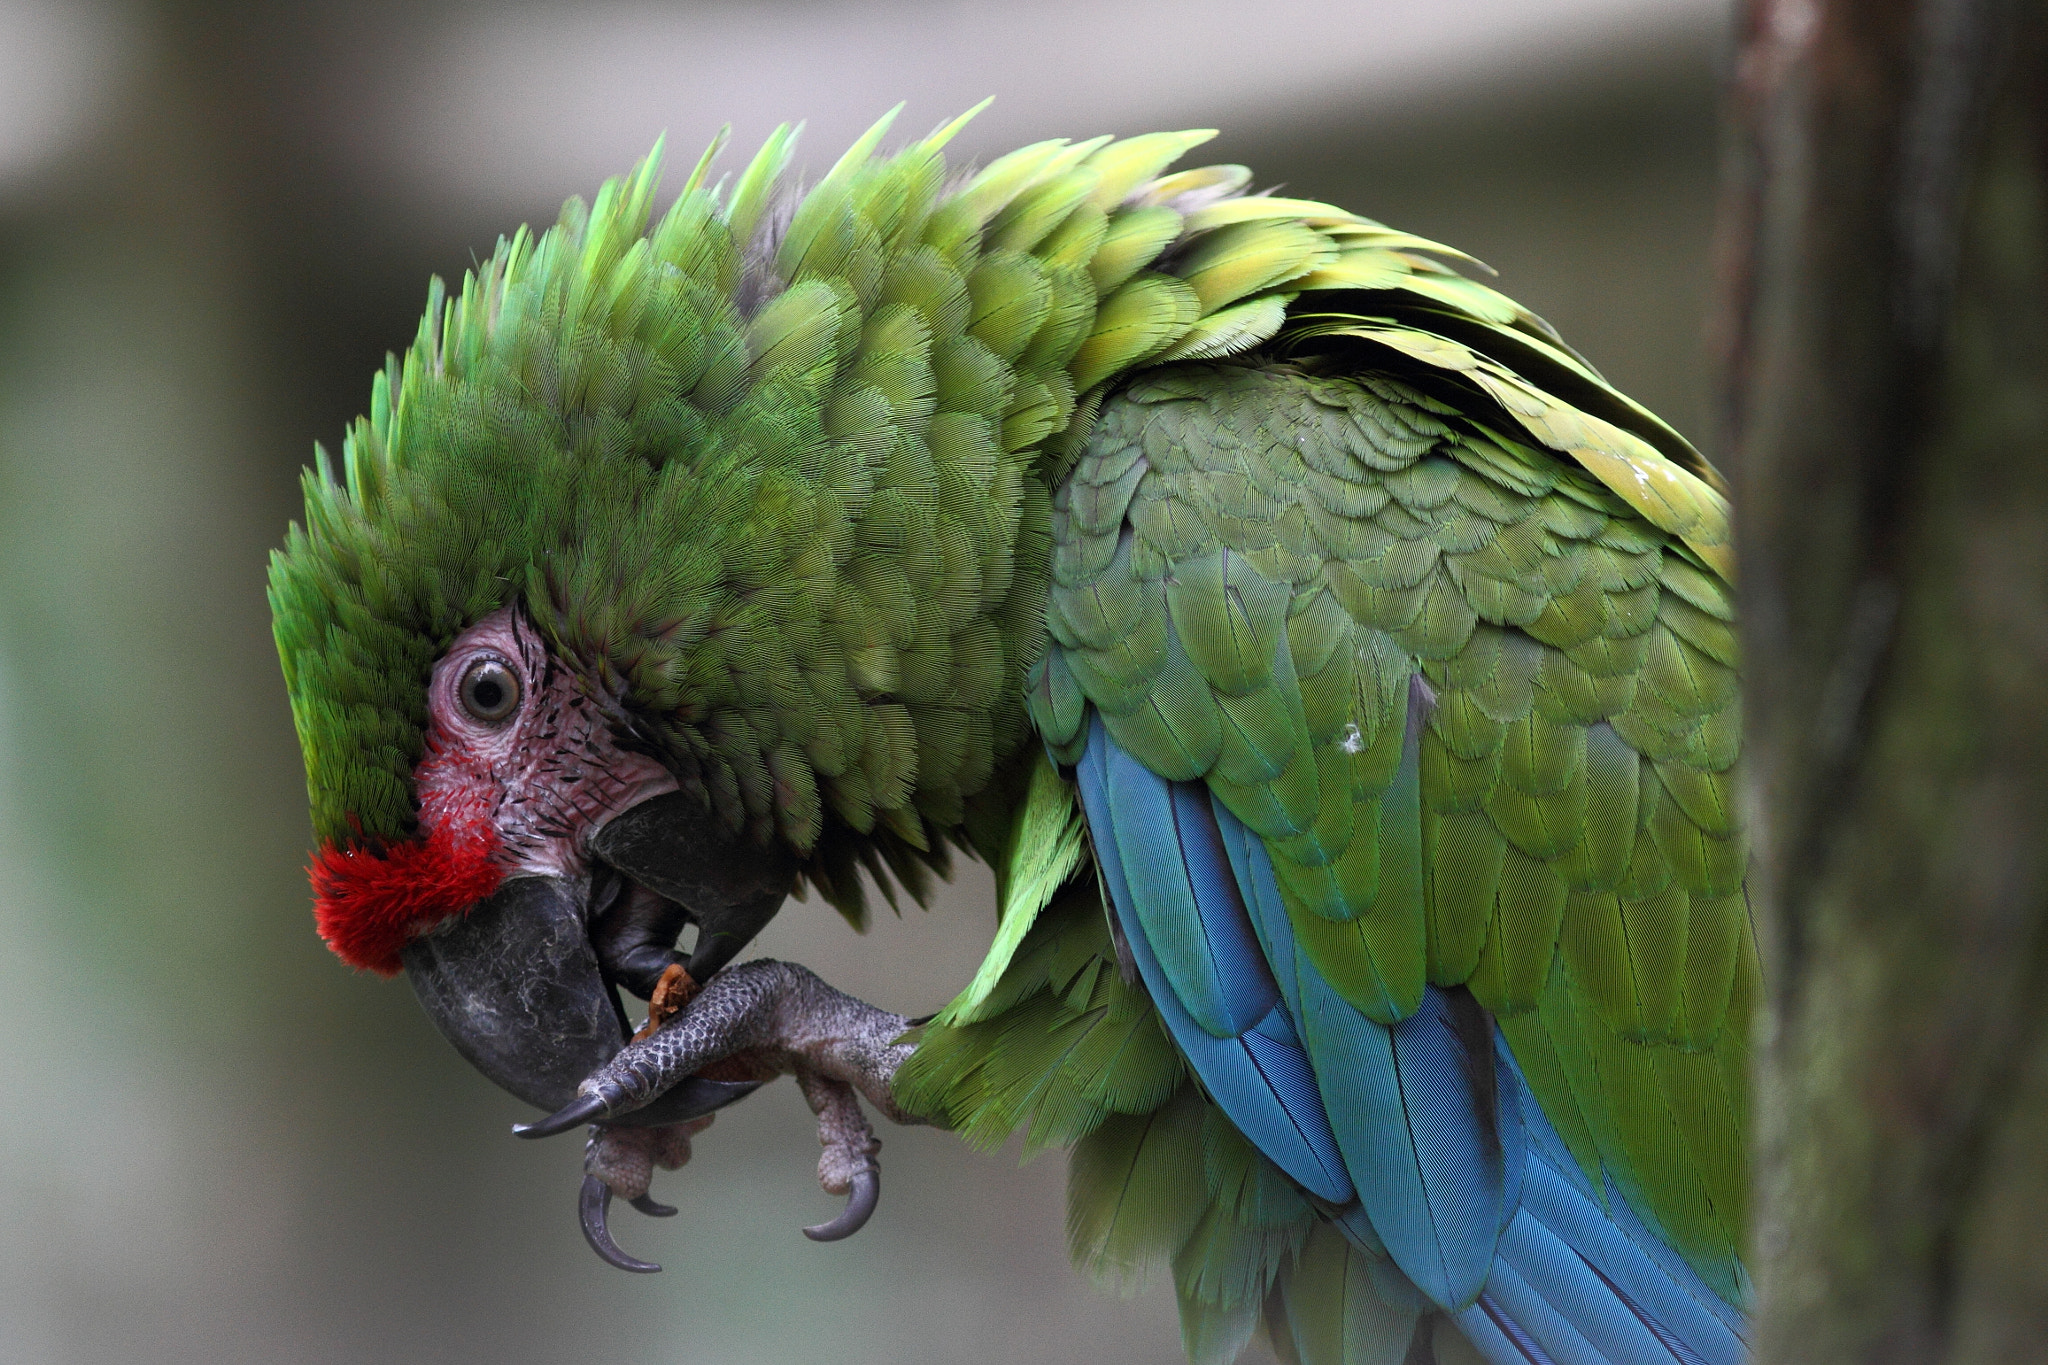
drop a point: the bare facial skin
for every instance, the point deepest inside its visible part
(548, 772)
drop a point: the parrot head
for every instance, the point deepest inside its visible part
(685, 563)
(551, 860)
(550, 724)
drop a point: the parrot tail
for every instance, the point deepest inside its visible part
(1578, 1279)
(1575, 1280)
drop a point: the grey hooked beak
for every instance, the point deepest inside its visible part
(515, 986)
(523, 984)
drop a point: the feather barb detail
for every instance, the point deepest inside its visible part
(368, 902)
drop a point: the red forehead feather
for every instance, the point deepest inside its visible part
(368, 905)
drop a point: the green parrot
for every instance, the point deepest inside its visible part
(1338, 674)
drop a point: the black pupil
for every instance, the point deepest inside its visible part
(488, 692)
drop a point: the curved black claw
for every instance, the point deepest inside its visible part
(594, 1205)
(581, 1110)
(653, 1207)
(860, 1206)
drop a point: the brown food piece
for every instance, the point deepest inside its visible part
(671, 993)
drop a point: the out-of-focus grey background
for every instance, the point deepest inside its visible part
(216, 1144)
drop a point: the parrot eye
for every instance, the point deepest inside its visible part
(489, 691)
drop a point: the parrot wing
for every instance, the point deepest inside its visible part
(1405, 749)
(1399, 733)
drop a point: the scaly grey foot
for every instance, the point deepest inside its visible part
(761, 1019)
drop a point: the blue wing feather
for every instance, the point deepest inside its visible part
(1184, 897)
(1253, 867)
(1638, 1266)
(1555, 1295)
(1402, 1103)
(1454, 1140)
(1260, 1077)
(1497, 1336)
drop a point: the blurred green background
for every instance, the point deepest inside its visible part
(218, 1145)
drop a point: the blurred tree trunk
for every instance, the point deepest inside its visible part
(1884, 341)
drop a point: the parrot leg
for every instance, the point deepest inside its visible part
(768, 1018)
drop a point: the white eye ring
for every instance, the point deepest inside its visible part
(489, 691)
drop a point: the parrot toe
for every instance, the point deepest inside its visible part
(848, 1164)
(579, 1111)
(860, 1206)
(621, 1161)
(594, 1207)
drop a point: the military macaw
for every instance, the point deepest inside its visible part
(1337, 672)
